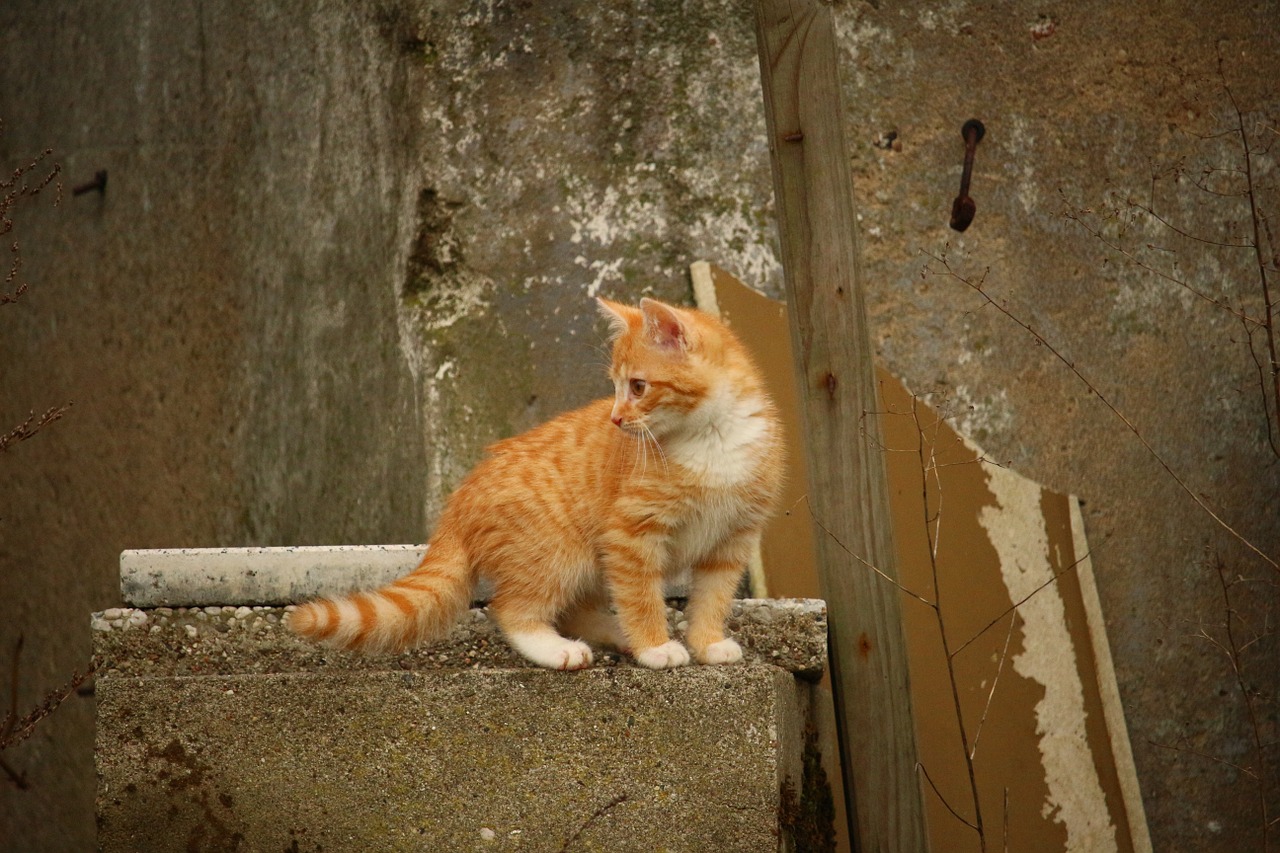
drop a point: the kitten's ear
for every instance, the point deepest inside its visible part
(617, 315)
(664, 326)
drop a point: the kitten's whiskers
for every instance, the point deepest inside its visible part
(657, 446)
(644, 450)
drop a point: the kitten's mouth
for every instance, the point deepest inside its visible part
(634, 429)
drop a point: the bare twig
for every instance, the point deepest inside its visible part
(979, 288)
(1005, 845)
(1199, 753)
(1150, 211)
(1004, 655)
(14, 730)
(876, 569)
(12, 190)
(1257, 219)
(933, 535)
(1014, 607)
(1262, 385)
(1097, 234)
(19, 780)
(920, 767)
(930, 485)
(1261, 774)
(20, 729)
(1260, 243)
(31, 426)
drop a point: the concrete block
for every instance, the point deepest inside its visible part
(199, 577)
(170, 577)
(219, 730)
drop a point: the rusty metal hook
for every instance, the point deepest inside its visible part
(963, 208)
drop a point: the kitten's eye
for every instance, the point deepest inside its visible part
(637, 387)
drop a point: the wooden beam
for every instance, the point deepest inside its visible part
(849, 494)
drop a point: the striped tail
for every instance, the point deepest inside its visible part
(419, 607)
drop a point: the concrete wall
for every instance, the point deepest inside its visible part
(344, 245)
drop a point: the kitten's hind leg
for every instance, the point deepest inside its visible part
(545, 647)
(593, 622)
(537, 640)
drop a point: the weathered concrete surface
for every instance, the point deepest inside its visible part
(166, 577)
(219, 730)
(232, 639)
(344, 245)
(186, 577)
(416, 761)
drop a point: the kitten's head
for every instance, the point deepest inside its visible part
(673, 369)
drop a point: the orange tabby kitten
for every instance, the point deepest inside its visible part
(679, 470)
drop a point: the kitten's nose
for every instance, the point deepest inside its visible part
(617, 420)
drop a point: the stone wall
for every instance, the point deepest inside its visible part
(345, 245)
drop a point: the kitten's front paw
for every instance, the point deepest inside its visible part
(724, 651)
(666, 656)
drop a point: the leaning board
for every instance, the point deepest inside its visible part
(1035, 685)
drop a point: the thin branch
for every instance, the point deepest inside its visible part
(1256, 218)
(921, 768)
(1173, 279)
(31, 426)
(19, 780)
(836, 539)
(980, 459)
(1247, 697)
(933, 536)
(1013, 607)
(1199, 753)
(1005, 846)
(10, 194)
(1262, 388)
(14, 730)
(1150, 211)
(1004, 654)
(1202, 634)
(929, 468)
(22, 729)
(979, 289)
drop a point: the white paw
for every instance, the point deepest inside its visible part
(725, 651)
(666, 656)
(552, 651)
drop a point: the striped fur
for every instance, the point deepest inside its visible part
(578, 521)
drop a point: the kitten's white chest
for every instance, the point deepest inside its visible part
(727, 443)
(727, 453)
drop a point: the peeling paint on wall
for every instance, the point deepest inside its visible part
(1016, 530)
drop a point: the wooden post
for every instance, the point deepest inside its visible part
(849, 493)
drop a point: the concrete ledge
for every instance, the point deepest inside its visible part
(787, 633)
(173, 577)
(201, 577)
(219, 730)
